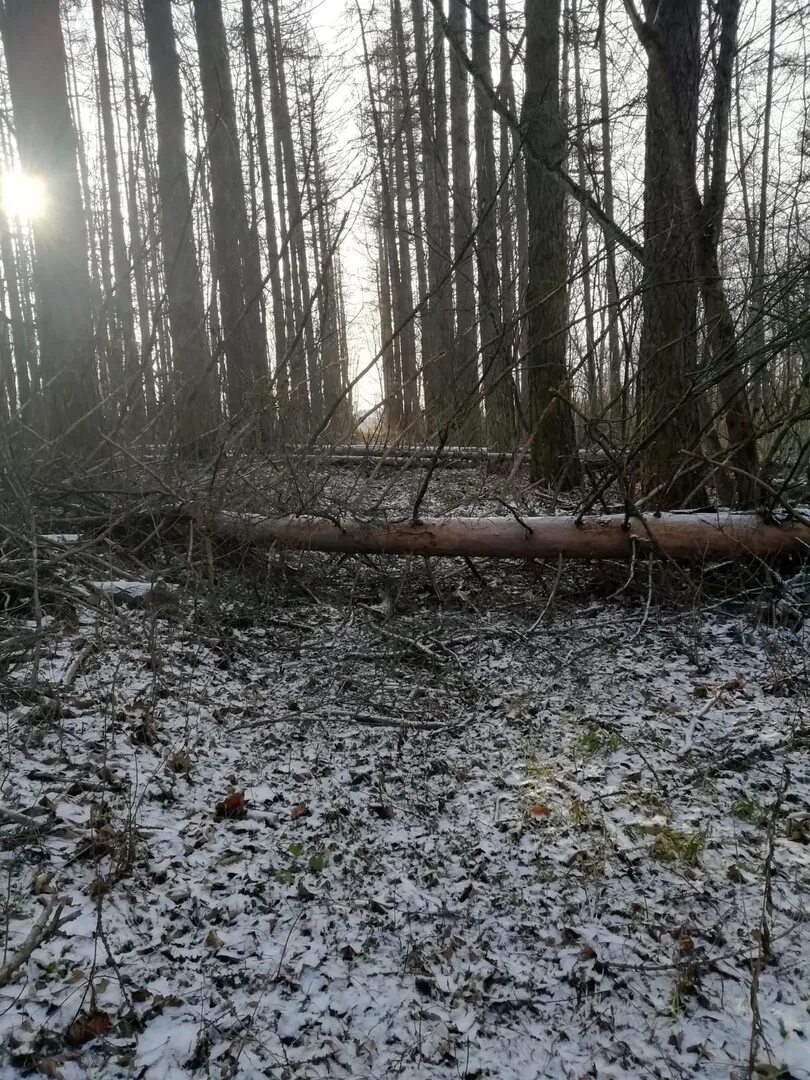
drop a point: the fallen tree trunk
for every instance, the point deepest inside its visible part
(678, 535)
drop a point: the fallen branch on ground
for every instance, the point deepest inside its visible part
(675, 535)
(44, 928)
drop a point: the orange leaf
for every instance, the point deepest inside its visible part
(539, 810)
(232, 806)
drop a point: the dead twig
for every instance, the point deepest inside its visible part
(44, 928)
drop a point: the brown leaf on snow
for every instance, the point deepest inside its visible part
(50, 1067)
(85, 1028)
(232, 806)
(213, 940)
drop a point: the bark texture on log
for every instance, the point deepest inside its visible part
(677, 535)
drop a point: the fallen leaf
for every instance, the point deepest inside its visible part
(85, 1028)
(232, 806)
(305, 893)
(98, 887)
(213, 940)
(179, 762)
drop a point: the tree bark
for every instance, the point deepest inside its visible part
(554, 446)
(236, 265)
(677, 536)
(36, 62)
(495, 357)
(194, 388)
(466, 427)
(268, 202)
(126, 345)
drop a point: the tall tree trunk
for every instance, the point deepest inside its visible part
(22, 337)
(407, 123)
(400, 309)
(398, 124)
(438, 318)
(122, 296)
(511, 155)
(273, 258)
(495, 358)
(584, 239)
(668, 358)
(300, 269)
(611, 280)
(465, 351)
(136, 236)
(671, 38)
(236, 264)
(194, 386)
(36, 61)
(392, 385)
(554, 456)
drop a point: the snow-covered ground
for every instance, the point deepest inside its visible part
(472, 843)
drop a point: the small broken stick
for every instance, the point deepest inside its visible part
(44, 928)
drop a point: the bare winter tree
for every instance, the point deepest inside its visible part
(554, 447)
(36, 61)
(194, 386)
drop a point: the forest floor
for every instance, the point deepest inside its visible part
(363, 818)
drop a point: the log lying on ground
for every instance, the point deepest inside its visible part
(397, 457)
(677, 535)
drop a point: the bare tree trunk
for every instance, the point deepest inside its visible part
(399, 292)
(36, 61)
(301, 293)
(273, 258)
(510, 144)
(236, 259)
(292, 376)
(407, 125)
(554, 456)
(495, 358)
(676, 536)
(465, 350)
(193, 369)
(584, 240)
(438, 317)
(405, 304)
(758, 267)
(22, 337)
(611, 280)
(122, 297)
(392, 388)
(136, 236)
(668, 359)
(670, 37)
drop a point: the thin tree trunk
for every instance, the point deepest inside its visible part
(122, 296)
(611, 280)
(193, 369)
(585, 250)
(301, 290)
(465, 351)
(273, 258)
(495, 359)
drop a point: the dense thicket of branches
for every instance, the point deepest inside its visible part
(556, 231)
